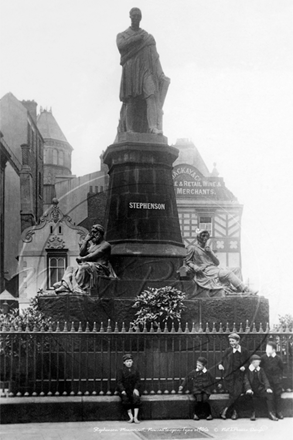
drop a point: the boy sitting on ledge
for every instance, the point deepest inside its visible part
(257, 386)
(128, 381)
(202, 382)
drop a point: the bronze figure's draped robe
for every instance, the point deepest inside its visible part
(211, 277)
(95, 263)
(142, 78)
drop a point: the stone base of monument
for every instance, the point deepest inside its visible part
(82, 308)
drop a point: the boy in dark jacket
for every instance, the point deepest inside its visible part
(128, 382)
(202, 382)
(257, 386)
(273, 367)
(234, 362)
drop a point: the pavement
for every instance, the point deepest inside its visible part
(242, 429)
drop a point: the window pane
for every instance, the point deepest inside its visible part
(61, 262)
(53, 277)
(53, 262)
(60, 274)
(205, 220)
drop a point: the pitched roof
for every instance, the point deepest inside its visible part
(188, 153)
(49, 127)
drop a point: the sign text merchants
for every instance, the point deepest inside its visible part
(188, 182)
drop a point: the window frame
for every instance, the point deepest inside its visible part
(205, 216)
(55, 253)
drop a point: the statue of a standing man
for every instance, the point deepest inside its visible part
(143, 84)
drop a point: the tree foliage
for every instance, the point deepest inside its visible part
(30, 318)
(285, 321)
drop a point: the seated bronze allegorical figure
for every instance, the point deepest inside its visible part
(93, 262)
(202, 263)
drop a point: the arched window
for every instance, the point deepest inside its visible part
(55, 157)
(56, 267)
(61, 158)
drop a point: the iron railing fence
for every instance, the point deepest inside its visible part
(71, 360)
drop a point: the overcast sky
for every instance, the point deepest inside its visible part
(231, 69)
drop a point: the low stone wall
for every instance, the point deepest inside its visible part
(99, 408)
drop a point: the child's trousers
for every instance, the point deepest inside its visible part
(201, 404)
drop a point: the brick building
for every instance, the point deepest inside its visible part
(22, 179)
(57, 154)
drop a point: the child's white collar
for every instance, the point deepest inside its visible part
(252, 368)
(204, 370)
(272, 354)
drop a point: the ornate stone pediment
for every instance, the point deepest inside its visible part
(53, 215)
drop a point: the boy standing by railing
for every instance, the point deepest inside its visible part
(234, 362)
(273, 367)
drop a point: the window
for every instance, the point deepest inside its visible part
(206, 223)
(188, 225)
(40, 147)
(33, 140)
(40, 184)
(55, 157)
(57, 263)
(61, 158)
(29, 134)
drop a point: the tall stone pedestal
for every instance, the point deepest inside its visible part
(142, 221)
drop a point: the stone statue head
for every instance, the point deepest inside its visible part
(97, 233)
(202, 236)
(135, 16)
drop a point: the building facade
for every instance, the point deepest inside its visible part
(46, 249)
(57, 154)
(204, 201)
(22, 179)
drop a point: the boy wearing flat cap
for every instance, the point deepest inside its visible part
(273, 367)
(257, 386)
(128, 382)
(234, 362)
(202, 382)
